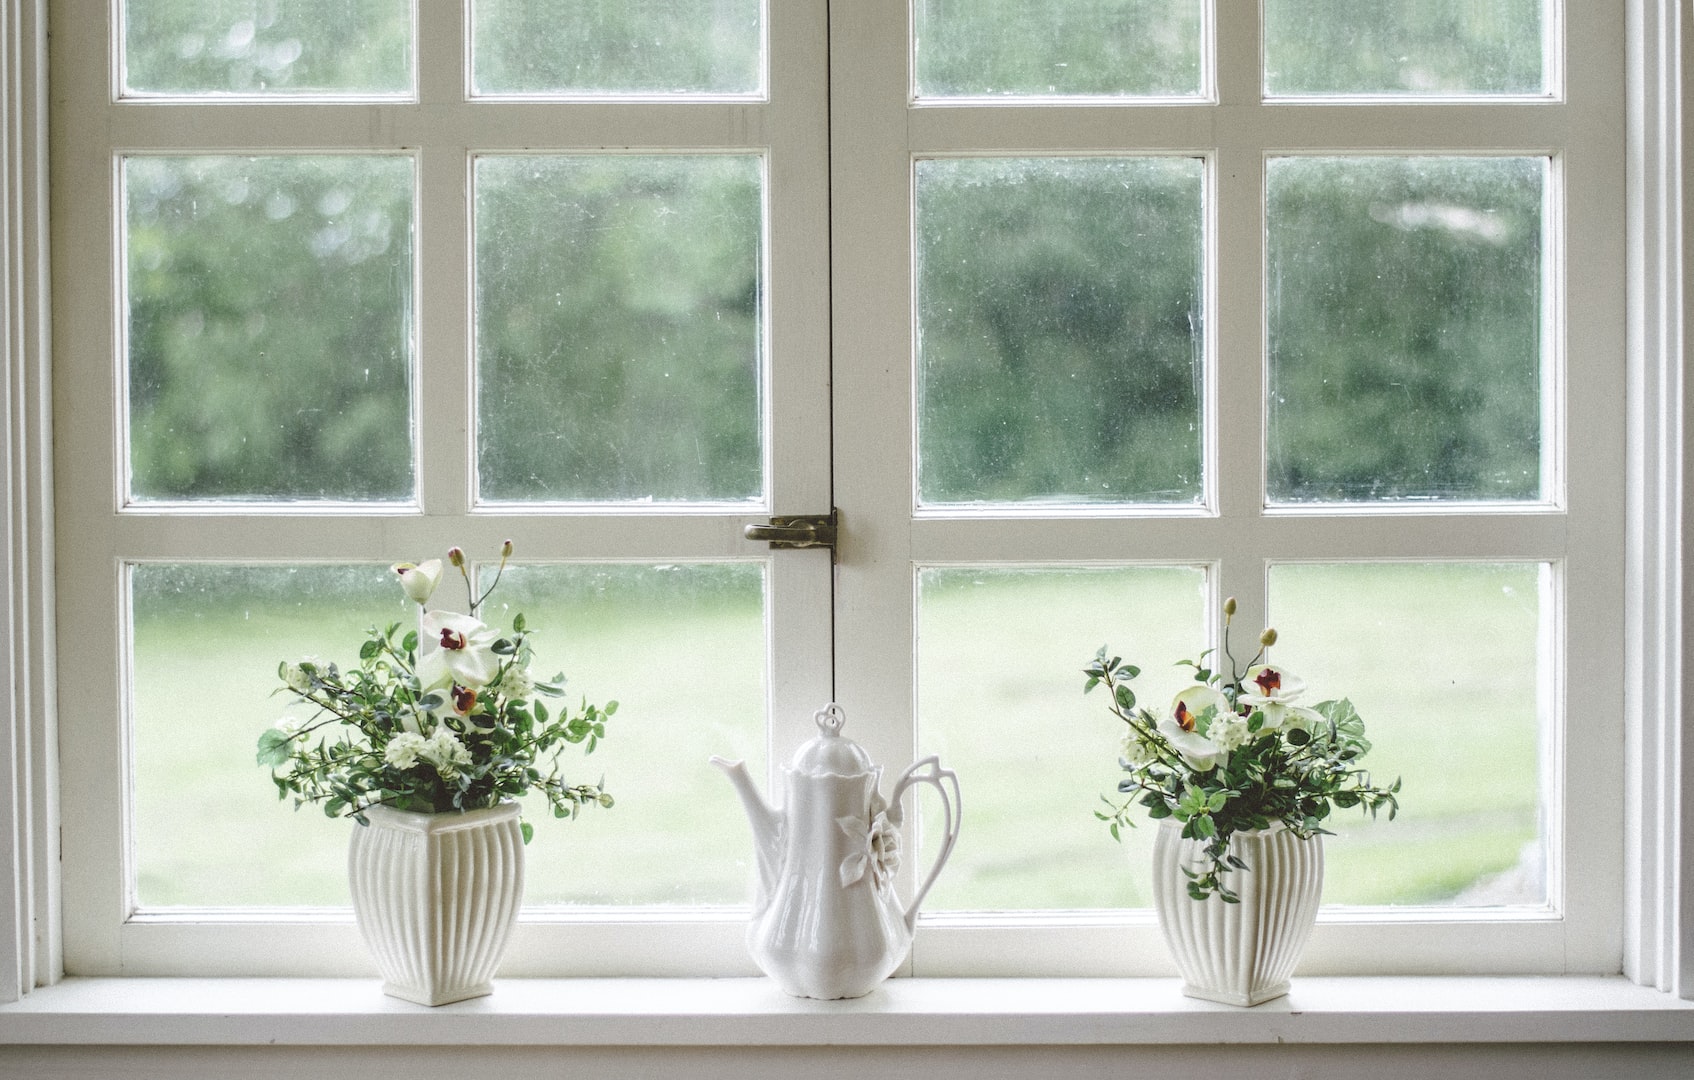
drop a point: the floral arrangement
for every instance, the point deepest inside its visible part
(1237, 753)
(445, 717)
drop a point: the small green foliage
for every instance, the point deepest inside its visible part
(1240, 756)
(479, 734)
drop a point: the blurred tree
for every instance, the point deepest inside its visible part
(269, 326)
(619, 304)
(267, 46)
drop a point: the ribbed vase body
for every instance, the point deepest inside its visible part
(1239, 954)
(436, 897)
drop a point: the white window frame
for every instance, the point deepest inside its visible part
(1576, 527)
(1657, 920)
(442, 129)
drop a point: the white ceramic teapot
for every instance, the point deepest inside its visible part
(826, 920)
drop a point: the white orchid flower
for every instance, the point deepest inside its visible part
(1290, 717)
(419, 579)
(1201, 753)
(455, 648)
(1268, 684)
(1187, 707)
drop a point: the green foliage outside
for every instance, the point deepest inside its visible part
(1060, 329)
(268, 46)
(597, 47)
(619, 303)
(618, 313)
(270, 354)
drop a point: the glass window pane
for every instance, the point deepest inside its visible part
(1060, 342)
(207, 642)
(1404, 300)
(269, 327)
(1000, 659)
(244, 47)
(1406, 47)
(1445, 663)
(682, 649)
(208, 827)
(1038, 48)
(617, 47)
(619, 327)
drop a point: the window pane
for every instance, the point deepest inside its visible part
(1410, 47)
(207, 642)
(1445, 663)
(1404, 302)
(682, 649)
(208, 827)
(208, 47)
(619, 327)
(1000, 659)
(1060, 346)
(269, 327)
(1037, 48)
(618, 47)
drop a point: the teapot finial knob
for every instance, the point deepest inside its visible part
(830, 719)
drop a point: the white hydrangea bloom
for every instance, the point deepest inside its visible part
(444, 750)
(289, 725)
(403, 750)
(516, 684)
(295, 674)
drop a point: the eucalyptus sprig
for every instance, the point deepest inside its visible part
(445, 717)
(1236, 753)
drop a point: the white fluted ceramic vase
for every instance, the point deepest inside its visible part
(1239, 954)
(436, 897)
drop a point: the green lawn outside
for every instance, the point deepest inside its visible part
(1438, 658)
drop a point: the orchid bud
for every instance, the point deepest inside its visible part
(419, 580)
(506, 550)
(1229, 607)
(456, 556)
(1268, 638)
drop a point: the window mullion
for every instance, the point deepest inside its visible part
(444, 379)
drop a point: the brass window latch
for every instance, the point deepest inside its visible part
(786, 531)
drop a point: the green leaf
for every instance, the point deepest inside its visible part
(517, 623)
(1125, 697)
(275, 747)
(525, 827)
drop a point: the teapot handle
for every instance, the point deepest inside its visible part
(945, 781)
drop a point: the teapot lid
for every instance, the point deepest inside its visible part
(829, 754)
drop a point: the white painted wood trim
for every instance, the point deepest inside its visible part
(29, 940)
(1659, 917)
(1659, 836)
(903, 1012)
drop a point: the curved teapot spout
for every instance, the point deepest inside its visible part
(766, 822)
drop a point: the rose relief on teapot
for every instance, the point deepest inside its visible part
(827, 921)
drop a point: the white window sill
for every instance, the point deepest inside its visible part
(904, 1012)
